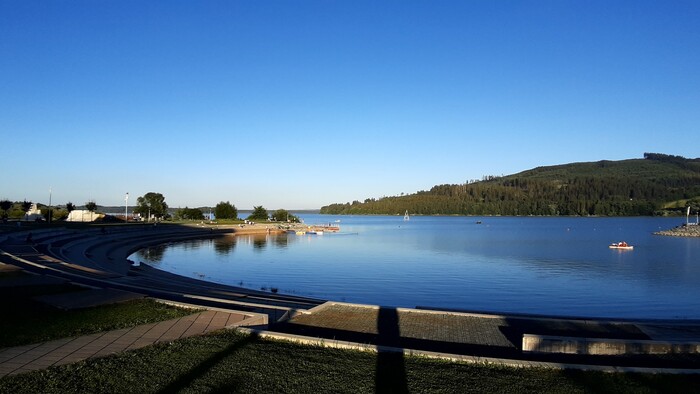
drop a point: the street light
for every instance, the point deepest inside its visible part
(126, 208)
(49, 204)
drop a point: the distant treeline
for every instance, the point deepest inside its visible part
(605, 188)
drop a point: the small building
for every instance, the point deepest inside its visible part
(33, 214)
(83, 215)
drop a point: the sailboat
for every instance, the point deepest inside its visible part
(406, 217)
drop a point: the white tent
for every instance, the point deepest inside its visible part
(83, 215)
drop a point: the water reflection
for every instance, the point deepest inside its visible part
(194, 245)
(281, 241)
(152, 254)
(504, 264)
(156, 253)
(224, 245)
(259, 242)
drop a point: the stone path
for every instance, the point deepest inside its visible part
(33, 357)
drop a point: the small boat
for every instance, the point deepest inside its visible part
(406, 217)
(621, 245)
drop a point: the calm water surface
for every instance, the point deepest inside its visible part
(558, 266)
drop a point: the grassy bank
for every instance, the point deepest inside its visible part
(25, 320)
(233, 362)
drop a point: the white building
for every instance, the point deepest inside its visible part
(33, 214)
(83, 215)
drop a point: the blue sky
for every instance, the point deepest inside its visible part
(298, 104)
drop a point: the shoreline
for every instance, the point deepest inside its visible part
(267, 228)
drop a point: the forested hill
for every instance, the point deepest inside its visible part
(610, 188)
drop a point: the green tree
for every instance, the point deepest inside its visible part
(70, 207)
(5, 205)
(225, 210)
(56, 213)
(189, 214)
(259, 213)
(282, 215)
(26, 206)
(91, 206)
(152, 204)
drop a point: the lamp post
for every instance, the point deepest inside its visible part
(126, 208)
(49, 204)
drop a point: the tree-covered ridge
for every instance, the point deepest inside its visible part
(610, 188)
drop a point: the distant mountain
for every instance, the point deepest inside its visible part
(654, 185)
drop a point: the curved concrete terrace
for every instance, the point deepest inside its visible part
(98, 258)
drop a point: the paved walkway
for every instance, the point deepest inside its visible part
(33, 357)
(491, 336)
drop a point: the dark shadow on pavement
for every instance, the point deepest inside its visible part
(391, 369)
(515, 327)
(512, 329)
(403, 342)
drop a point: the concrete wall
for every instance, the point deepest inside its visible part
(604, 346)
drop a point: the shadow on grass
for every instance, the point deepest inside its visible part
(603, 382)
(391, 368)
(200, 370)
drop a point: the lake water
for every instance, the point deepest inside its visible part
(553, 266)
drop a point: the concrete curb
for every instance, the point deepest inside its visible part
(335, 344)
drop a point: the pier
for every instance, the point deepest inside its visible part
(685, 230)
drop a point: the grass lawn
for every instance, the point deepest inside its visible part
(228, 361)
(26, 321)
